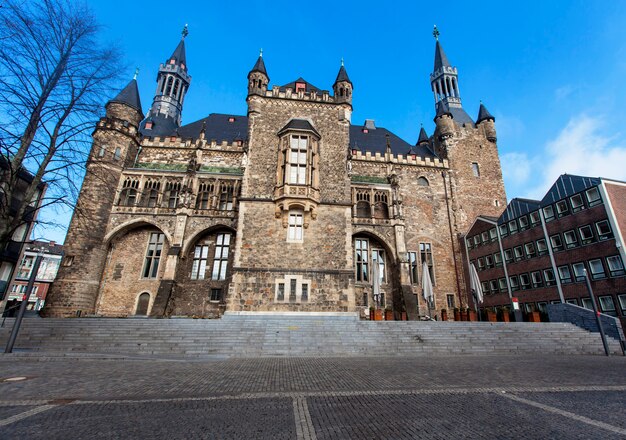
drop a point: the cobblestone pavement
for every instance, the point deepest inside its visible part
(321, 398)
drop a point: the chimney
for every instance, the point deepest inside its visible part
(369, 124)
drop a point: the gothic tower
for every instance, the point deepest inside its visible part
(258, 78)
(115, 146)
(342, 88)
(173, 80)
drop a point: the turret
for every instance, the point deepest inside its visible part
(173, 80)
(258, 79)
(342, 88)
(486, 122)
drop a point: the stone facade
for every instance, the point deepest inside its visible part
(290, 208)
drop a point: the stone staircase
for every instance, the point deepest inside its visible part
(301, 335)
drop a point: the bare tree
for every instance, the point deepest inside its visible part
(54, 72)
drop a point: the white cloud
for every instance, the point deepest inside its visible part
(581, 148)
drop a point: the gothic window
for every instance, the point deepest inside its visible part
(422, 181)
(226, 196)
(220, 258)
(176, 86)
(361, 259)
(128, 196)
(153, 255)
(363, 209)
(151, 193)
(297, 160)
(172, 193)
(203, 201)
(168, 89)
(295, 226)
(426, 255)
(200, 256)
(381, 207)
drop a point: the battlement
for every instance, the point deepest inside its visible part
(401, 159)
(178, 142)
(121, 125)
(289, 93)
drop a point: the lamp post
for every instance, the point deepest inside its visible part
(24, 304)
(595, 311)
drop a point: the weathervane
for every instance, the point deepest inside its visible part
(136, 73)
(261, 53)
(185, 31)
(342, 61)
(436, 33)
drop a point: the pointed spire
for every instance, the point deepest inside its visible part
(441, 59)
(342, 75)
(259, 66)
(423, 137)
(129, 96)
(483, 114)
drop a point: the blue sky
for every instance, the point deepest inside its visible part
(551, 72)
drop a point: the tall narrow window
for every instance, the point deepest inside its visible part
(118, 153)
(173, 194)
(203, 201)
(220, 259)
(475, 169)
(200, 256)
(293, 284)
(362, 260)
(297, 160)
(226, 196)
(413, 267)
(294, 232)
(378, 257)
(101, 151)
(426, 255)
(153, 255)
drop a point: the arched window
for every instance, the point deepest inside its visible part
(176, 85)
(118, 153)
(128, 197)
(142, 304)
(203, 201)
(172, 190)
(226, 196)
(101, 151)
(168, 89)
(423, 181)
(151, 193)
(381, 207)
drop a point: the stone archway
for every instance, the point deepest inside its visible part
(143, 302)
(369, 250)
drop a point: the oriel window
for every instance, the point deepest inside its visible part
(298, 151)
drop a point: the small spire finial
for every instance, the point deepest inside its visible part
(136, 73)
(436, 33)
(261, 53)
(185, 31)
(342, 61)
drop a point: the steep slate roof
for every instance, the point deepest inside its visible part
(129, 96)
(375, 140)
(567, 185)
(300, 125)
(440, 57)
(483, 114)
(342, 75)
(423, 137)
(179, 54)
(259, 66)
(218, 127)
(308, 86)
(518, 207)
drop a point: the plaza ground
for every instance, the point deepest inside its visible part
(530, 397)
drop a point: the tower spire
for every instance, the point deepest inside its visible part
(173, 81)
(444, 79)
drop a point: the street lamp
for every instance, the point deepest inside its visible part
(24, 304)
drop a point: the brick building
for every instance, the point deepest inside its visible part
(287, 208)
(537, 249)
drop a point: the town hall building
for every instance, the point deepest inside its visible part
(290, 207)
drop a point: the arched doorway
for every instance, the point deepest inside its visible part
(142, 304)
(376, 276)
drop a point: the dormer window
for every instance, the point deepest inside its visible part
(300, 87)
(365, 130)
(182, 65)
(149, 125)
(231, 119)
(172, 61)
